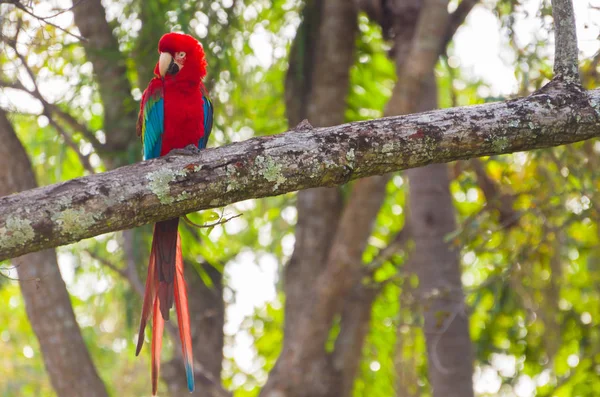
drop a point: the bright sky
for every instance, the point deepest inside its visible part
(482, 50)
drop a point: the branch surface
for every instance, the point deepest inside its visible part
(164, 188)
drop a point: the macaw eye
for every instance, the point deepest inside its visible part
(180, 55)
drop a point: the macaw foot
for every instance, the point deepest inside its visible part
(189, 150)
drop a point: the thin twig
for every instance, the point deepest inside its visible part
(107, 263)
(23, 8)
(50, 108)
(54, 109)
(83, 158)
(75, 4)
(14, 267)
(385, 254)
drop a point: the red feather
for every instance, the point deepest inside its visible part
(149, 295)
(164, 284)
(165, 248)
(183, 318)
(158, 325)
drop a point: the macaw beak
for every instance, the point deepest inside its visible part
(167, 65)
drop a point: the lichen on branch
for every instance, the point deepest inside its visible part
(159, 189)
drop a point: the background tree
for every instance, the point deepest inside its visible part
(526, 244)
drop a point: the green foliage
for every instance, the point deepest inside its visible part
(531, 286)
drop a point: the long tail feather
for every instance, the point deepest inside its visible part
(149, 296)
(183, 318)
(158, 325)
(165, 283)
(164, 244)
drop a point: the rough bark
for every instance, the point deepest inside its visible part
(267, 166)
(47, 302)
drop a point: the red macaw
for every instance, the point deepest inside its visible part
(175, 113)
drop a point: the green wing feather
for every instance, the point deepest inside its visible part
(152, 118)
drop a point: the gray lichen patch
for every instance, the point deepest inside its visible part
(159, 183)
(230, 170)
(74, 222)
(500, 144)
(233, 185)
(387, 148)
(350, 156)
(232, 181)
(429, 147)
(17, 232)
(183, 196)
(595, 105)
(64, 202)
(270, 170)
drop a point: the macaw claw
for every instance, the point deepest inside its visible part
(189, 150)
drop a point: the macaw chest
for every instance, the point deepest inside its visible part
(184, 121)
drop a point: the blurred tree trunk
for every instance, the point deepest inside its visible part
(207, 308)
(436, 262)
(152, 16)
(421, 30)
(330, 235)
(419, 42)
(316, 87)
(318, 209)
(120, 109)
(47, 301)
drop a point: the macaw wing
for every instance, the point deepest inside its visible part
(150, 124)
(208, 120)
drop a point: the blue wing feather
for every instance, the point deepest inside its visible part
(153, 125)
(208, 121)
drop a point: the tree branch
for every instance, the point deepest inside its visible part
(45, 20)
(565, 50)
(164, 188)
(51, 108)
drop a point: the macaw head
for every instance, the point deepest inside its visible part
(181, 55)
